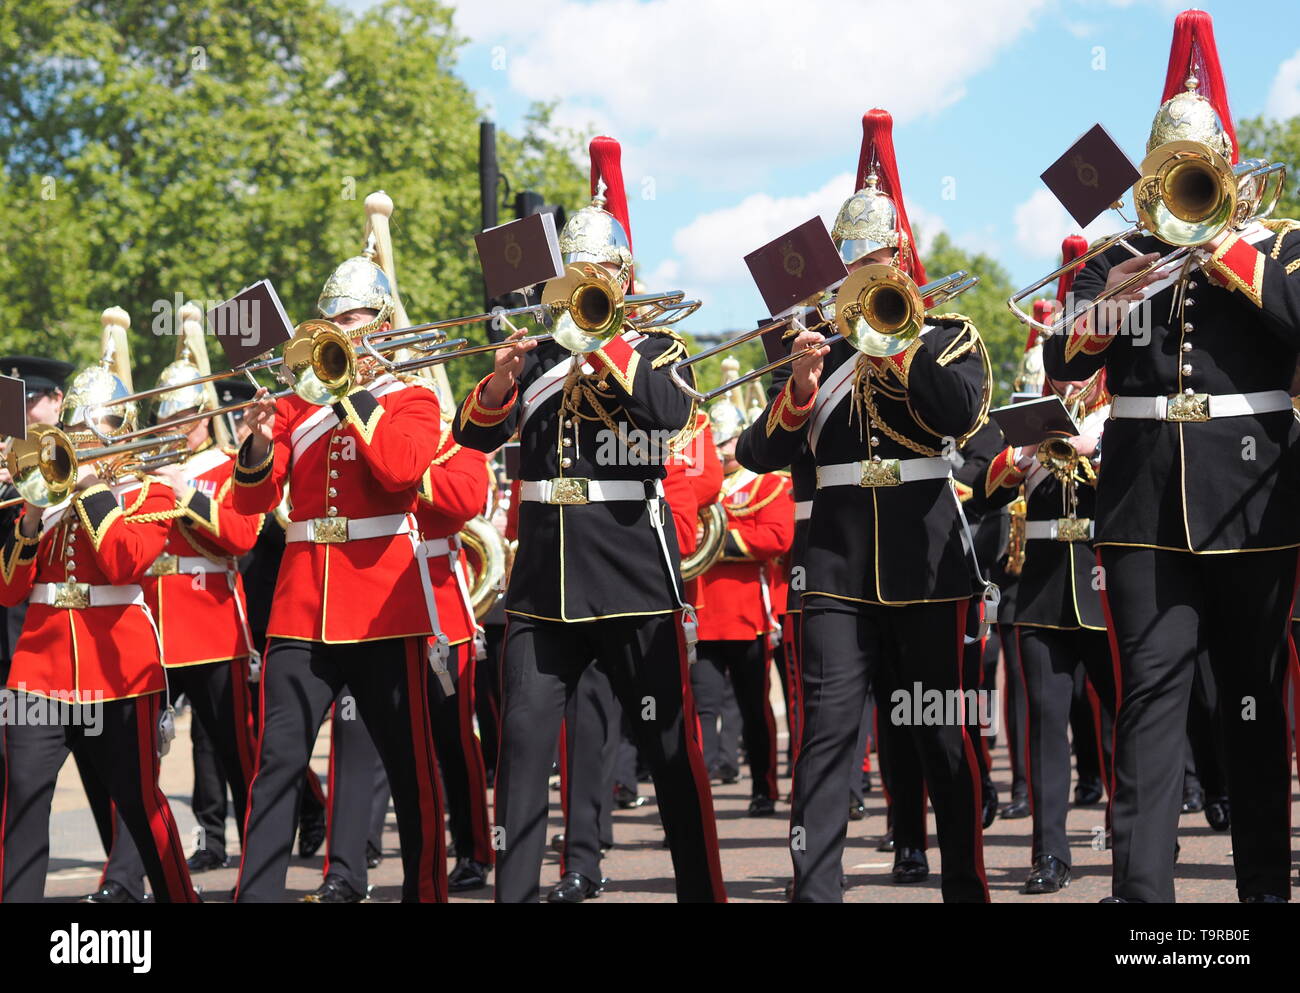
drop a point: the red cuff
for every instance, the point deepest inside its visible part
(1002, 471)
(474, 411)
(786, 414)
(1084, 341)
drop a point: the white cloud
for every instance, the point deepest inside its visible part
(1042, 224)
(703, 80)
(1284, 95)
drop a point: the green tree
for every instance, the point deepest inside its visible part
(1277, 141)
(149, 151)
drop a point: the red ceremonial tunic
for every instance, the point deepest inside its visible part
(200, 613)
(88, 653)
(454, 490)
(361, 457)
(693, 481)
(760, 527)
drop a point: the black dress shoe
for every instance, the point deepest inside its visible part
(112, 892)
(1193, 801)
(886, 842)
(1015, 810)
(1264, 898)
(311, 833)
(761, 806)
(1114, 899)
(1218, 813)
(204, 861)
(857, 810)
(574, 888)
(725, 774)
(626, 798)
(1087, 792)
(866, 782)
(335, 889)
(467, 875)
(373, 856)
(911, 866)
(1049, 875)
(990, 793)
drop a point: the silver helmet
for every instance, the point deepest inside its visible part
(593, 234)
(356, 284)
(867, 221)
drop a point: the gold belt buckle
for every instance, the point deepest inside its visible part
(165, 565)
(1073, 528)
(886, 472)
(329, 530)
(72, 596)
(569, 491)
(1188, 407)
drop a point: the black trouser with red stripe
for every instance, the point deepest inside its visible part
(790, 627)
(358, 795)
(300, 680)
(118, 740)
(1050, 658)
(221, 703)
(748, 665)
(645, 660)
(592, 737)
(359, 787)
(1163, 607)
(920, 643)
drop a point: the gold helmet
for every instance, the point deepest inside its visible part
(593, 234)
(1188, 116)
(92, 395)
(356, 284)
(867, 221)
(191, 358)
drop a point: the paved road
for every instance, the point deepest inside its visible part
(755, 862)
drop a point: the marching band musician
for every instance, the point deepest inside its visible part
(894, 593)
(89, 656)
(197, 598)
(596, 572)
(1195, 522)
(354, 603)
(453, 491)
(737, 621)
(1059, 624)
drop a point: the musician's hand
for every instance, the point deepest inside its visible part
(1084, 444)
(806, 370)
(88, 479)
(30, 522)
(1111, 313)
(171, 475)
(505, 372)
(5, 478)
(260, 421)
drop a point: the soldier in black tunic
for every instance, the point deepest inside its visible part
(1195, 519)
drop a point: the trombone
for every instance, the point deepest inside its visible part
(1188, 193)
(319, 362)
(45, 464)
(878, 309)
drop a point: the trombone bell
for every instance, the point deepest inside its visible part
(589, 305)
(43, 466)
(1187, 194)
(321, 361)
(879, 310)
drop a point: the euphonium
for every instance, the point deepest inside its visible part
(711, 532)
(488, 555)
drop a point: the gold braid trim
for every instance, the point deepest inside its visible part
(577, 388)
(1283, 226)
(677, 350)
(161, 515)
(754, 507)
(442, 440)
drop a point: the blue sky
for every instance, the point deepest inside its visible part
(740, 120)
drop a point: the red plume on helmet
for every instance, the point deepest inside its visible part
(1072, 248)
(877, 156)
(607, 164)
(1194, 52)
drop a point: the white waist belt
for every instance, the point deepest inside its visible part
(188, 565)
(574, 490)
(1199, 406)
(436, 546)
(332, 530)
(81, 595)
(1061, 529)
(886, 472)
(803, 510)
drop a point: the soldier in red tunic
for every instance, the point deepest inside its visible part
(354, 602)
(87, 677)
